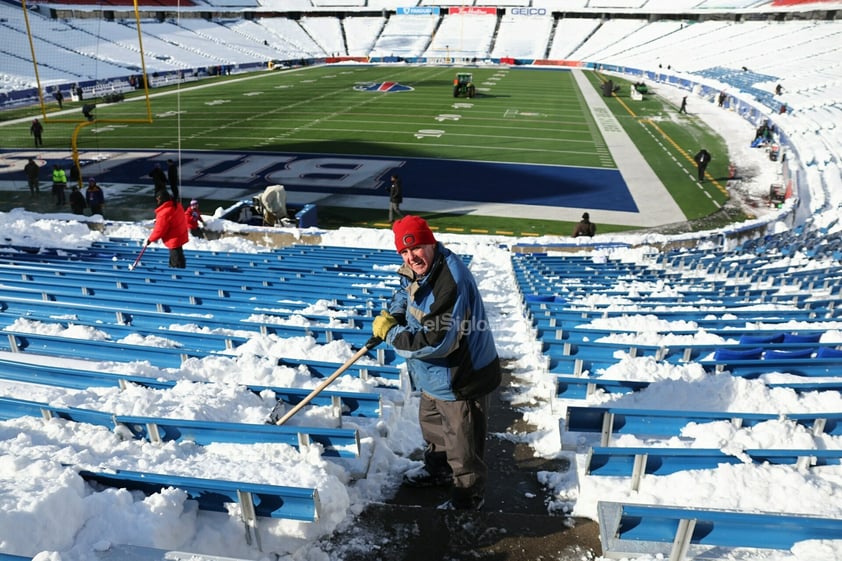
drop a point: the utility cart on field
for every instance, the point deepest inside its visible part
(464, 85)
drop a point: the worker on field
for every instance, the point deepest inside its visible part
(584, 227)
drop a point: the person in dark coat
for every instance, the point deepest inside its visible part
(170, 228)
(32, 171)
(77, 200)
(37, 129)
(584, 227)
(94, 197)
(436, 321)
(172, 178)
(395, 198)
(702, 159)
(88, 111)
(159, 179)
(683, 108)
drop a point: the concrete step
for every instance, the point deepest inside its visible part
(514, 524)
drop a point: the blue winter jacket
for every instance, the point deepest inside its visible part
(443, 332)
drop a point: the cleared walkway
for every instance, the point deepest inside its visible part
(513, 525)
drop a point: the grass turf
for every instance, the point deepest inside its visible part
(519, 115)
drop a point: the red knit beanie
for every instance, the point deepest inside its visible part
(411, 231)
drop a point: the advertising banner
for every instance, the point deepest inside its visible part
(473, 10)
(419, 11)
(527, 11)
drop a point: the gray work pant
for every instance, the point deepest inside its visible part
(455, 433)
(394, 210)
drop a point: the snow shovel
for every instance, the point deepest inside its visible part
(370, 344)
(136, 261)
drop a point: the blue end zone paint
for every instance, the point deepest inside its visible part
(423, 178)
(526, 184)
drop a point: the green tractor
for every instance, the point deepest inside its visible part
(464, 85)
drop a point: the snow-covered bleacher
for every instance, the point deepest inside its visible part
(390, 4)
(121, 46)
(168, 41)
(405, 36)
(237, 4)
(570, 34)
(630, 5)
(121, 329)
(560, 5)
(624, 41)
(671, 6)
(463, 37)
(730, 4)
(291, 37)
(361, 34)
(677, 533)
(230, 39)
(574, 297)
(327, 32)
(339, 3)
(522, 37)
(606, 36)
(79, 60)
(284, 5)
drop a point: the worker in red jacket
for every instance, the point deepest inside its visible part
(194, 219)
(170, 228)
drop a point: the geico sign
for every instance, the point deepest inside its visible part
(528, 11)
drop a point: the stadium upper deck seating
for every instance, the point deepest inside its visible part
(405, 36)
(463, 37)
(284, 4)
(809, 44)
(128, 3)
(522, 37)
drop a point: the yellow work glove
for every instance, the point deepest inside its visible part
(382, 324)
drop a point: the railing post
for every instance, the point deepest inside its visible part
(249, 517)
(683, 535)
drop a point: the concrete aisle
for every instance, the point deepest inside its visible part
(513, 525)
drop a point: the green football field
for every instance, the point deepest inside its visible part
(518, 115)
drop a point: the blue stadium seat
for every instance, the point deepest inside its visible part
(334, 442)
(273, 501)
(608, 421)
(629, 530)
(634, 462)
(354, 404)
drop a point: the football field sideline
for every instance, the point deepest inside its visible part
(625, 192)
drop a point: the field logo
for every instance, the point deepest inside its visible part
(382, 87)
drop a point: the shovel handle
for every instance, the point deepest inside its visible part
(370, 344)
(139, 255)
